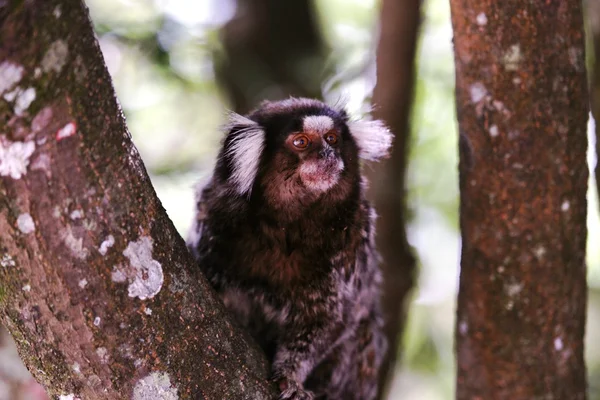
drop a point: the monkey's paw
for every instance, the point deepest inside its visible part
(292, 390)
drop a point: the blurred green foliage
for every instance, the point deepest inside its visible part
(160, 56)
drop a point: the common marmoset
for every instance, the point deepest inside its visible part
(284, 234)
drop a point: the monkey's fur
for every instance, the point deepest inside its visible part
(285, 235)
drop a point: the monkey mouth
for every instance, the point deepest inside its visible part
(321, 175)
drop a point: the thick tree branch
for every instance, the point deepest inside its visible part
(272, 49)
(392, 101)
(522, 111)
(97, 287)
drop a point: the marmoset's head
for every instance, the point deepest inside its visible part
(297, 151)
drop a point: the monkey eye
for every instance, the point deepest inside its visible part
(301, 141)
(331, 138)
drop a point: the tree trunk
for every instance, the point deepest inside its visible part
(392, 99)
(593, 19)
(97, 288)
(522, 111)
(272, 49)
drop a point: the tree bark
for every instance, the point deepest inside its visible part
(593, 19)
(97, 288)
(272, 49)
(392, 99)
(522, 112)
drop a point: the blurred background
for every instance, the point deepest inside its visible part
(174, 63)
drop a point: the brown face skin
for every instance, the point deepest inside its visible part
(321, 164)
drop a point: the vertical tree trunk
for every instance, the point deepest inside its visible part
(96, 286)
(593, 19)
(392, 99)
(522, 111)
(273, 49)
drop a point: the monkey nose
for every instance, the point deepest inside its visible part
(326, 152)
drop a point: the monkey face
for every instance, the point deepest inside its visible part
(296, 151)
(309, 156)
(318, 147)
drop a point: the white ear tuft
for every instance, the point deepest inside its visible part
(373, 139)
(244, 146)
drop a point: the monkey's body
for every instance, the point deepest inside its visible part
(292, 254)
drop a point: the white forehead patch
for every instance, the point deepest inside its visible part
(319, 124)
(245, 151)
(373, 139)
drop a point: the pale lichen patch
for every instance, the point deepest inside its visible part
(24, 100)
(512, 58)
(14, 157)
(494, 131)
(156, 386)
(76, 214)
(106, 244)
(74, 244)
(148, 276)
(7, 261)
(477, 92)
(539, 251)
(12, 95)
(481, 19)
(118, 275)
(25, 223)
(513, 289)
(68, 397)
(102, 354)
(558, 344)
(56, 56)
(10, 75)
